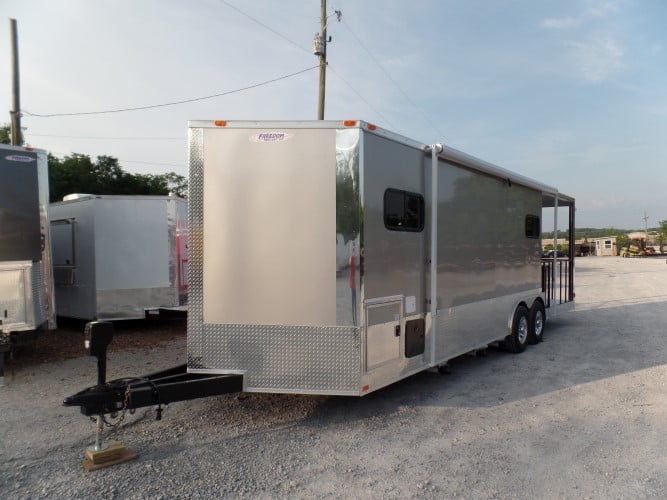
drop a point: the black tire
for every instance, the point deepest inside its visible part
(536, 323)
(517, 340)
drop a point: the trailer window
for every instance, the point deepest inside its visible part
(532, 226)
(403, 211)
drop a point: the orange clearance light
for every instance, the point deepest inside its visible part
(365, 388)
(372, 127)
(350, 123)
(220, 123)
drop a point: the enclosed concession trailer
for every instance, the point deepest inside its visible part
(117, 257)
(26, 285)
(444, 255)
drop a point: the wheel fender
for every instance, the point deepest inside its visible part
(538, 299)
(510, 318)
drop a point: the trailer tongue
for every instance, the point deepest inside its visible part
(156, 389)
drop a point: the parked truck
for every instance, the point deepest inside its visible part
(444, 259)
(119, 257)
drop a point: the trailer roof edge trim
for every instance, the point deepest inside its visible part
(454, 155)
(27, 149)
(448, 153)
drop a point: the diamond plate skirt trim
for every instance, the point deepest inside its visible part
(282, 358)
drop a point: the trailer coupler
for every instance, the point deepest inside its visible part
(156, 389)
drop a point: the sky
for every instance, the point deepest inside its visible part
(572, 93)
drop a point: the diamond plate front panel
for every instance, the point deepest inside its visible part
(195, 246)
(283, 358)
(40, 300)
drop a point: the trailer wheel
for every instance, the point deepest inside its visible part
(517, 340)
(536, 323)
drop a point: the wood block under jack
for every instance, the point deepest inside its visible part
(114, 453)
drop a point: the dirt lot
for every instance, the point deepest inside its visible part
(66, 342)
(581, 415)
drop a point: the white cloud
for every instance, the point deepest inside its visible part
(597, 11)
(602, 9)
(561, 23)
(593, 52)
(597, 58)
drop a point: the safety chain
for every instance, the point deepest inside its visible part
(126, 402)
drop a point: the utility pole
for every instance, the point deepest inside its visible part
(323, 58)
(15, 113)
(645, 229)
(320, 49)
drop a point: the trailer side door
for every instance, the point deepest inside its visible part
(393, 259)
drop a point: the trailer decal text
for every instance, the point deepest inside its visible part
(270, 137)
(21, 158)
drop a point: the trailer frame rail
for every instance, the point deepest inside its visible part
(159, 388)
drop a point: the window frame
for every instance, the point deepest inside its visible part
(407, 196)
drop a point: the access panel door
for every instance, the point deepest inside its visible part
(383, 331)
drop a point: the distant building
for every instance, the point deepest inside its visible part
(583, 248)
(604, 246)
(650, 239)
(637, 235)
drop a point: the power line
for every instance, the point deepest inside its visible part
(407, 97)
(60, 154)
(153, 106)
(362, 97)
(153, 163)
(108, 138)
(265, 26)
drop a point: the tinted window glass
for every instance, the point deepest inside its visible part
(403, 211)
(532, 226)
(394, 205)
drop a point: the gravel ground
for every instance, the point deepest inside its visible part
(581, 415)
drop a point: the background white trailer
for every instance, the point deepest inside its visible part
(445, 255)
(115, 257)
(26, 284)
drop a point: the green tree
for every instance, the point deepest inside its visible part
(79, 174)
(662, 233)
(5, 134)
